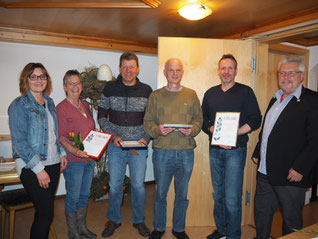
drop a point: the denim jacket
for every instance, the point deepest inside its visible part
(29, 129)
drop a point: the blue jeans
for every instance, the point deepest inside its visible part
(227, 169)
(117, 160)
(168, 164)
(78, 179)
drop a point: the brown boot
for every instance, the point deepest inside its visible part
(142, 229)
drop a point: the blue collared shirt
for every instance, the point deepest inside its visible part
(270, 120)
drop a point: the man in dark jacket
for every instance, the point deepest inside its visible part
(121, 112)
(287, 150)
(227, 163)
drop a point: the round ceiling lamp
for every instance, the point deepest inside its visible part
(195, 12)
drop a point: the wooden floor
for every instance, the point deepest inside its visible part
(97, 216)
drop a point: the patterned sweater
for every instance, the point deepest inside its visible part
(121, 109)
(171, 107)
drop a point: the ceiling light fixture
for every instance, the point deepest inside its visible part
(195, 12)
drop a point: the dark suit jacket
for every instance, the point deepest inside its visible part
(293, 141)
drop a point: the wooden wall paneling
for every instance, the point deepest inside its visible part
(5, 137)
(287, 49)
(200, 58)
(306, 41)
(77, 5)
(306, 60)
(59, 39)
(139, 21)
(273, 60)
(123, 4)
(152, 3)
(286, 35)
(284, 21)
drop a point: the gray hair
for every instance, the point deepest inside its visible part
(70, 73)
(296, 59)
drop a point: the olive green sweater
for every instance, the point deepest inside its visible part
(173, 107)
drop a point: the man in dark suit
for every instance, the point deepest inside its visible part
(287, 150)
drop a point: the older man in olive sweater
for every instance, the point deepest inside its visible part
(173, 153)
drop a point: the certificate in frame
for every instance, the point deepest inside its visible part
(225, 128)
(95, 143)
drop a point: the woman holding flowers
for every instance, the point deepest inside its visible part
(75, 118)
(39, 157)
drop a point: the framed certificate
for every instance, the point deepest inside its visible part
(95, 143)
(132, 145)
(177, 125)
(225, 128)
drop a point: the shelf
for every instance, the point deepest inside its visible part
(5, 137)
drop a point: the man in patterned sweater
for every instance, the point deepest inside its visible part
(121, 112)
(173, 153)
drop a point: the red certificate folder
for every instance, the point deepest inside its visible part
(95, 143)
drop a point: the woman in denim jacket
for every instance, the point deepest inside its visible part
(39, 157)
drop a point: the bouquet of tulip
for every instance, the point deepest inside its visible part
(77, 142)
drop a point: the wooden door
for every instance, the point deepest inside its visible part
(200, 61)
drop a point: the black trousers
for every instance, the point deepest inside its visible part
(43, 199)
(267, 197)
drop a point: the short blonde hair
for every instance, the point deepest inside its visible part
(27, 72)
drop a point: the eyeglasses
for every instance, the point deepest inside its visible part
(288, 73)
(35, 77)
(74, 83)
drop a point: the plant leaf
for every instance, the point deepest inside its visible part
(71, 138)
(81, 146)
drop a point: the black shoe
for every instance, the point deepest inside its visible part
(142, 229)
(156, 234)
(216, 235)
(110, 228)
(180, 235)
